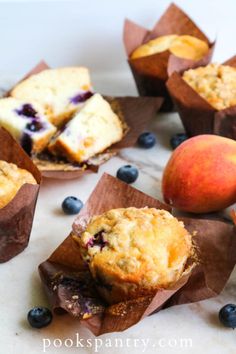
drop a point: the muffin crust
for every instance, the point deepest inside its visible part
(186, 47)
(215, 83)
(12, 179)
(135, 251)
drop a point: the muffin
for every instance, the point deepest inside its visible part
(93, 129)
(26, 123)
(59, 91)
(154, 46)
(134, 252)
(214, 83)
(185, 47)
(12, 179)
(175, 44)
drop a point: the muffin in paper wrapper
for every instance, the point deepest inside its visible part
(197, 115)
(71, 288)
(16, 217)
(134, 112)
(151, 72)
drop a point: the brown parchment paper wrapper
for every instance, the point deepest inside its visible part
(70, 288)
(134, 112)
(151, 72)
(16, 217)
(197, 115)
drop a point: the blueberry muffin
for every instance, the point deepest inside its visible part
(186, 47)
(215, 83)
(12, 179)
(26, 123)
(134, 252)
(93, 129)
(60, 91)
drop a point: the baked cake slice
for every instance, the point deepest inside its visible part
(60, 91)
(93, 129)
(26, 123)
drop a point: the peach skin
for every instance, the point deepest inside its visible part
(200, 176)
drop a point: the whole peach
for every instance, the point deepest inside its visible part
(200, 176)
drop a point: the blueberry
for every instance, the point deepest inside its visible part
(227, 316)
(97, 240)
(34, 126)
(178, 139)
(26, 143)
(39, 317)
(72, 205)
(27, 110)
(147, 140)
(127, 173)
(81, 97)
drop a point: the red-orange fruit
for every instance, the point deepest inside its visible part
(200, 176)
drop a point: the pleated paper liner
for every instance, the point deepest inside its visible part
(70, 287)
(151, 72)
(135, 114)
(16, 217)
(197, 115)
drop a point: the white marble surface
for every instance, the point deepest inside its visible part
(37, 33)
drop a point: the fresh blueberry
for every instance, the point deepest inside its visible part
(178, 139)
(127, 173)
(72, 205)
(34, 126)
(39, 317)
(147, 140)
(227, 316)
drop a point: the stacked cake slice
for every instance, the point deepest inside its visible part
(27, 123)
(60, 92)
(57, 110)
(93, 129)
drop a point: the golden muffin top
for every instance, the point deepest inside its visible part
(11, 180)
(146, 246)
(215, 83)
(186, 47)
